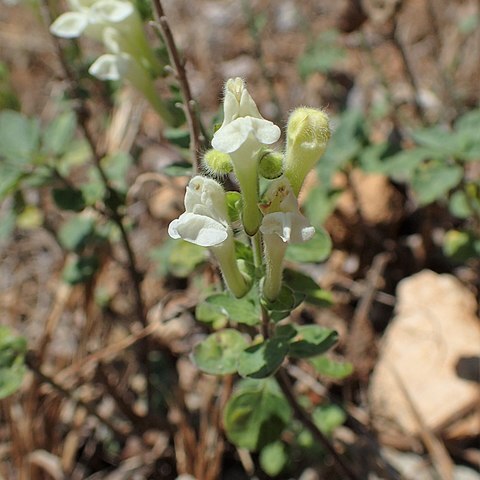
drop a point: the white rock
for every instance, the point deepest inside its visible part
(434, 327)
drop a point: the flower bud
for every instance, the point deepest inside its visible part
(270, 164)
(308, 132)
(217, 163)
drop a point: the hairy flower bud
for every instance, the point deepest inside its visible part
(217, 163)
(308, 132)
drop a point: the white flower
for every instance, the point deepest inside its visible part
(282, 215)
(111, 66)
(242, 120)
(282, 224)
(243, 132)
(291, 227)
(123, 66)
(92, 17)
(205, 221)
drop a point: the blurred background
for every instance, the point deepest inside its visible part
(398, 190)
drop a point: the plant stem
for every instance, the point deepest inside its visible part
(284, 383)
(305, 418)
(83, 114)
(257, 249)
(401, 49)
(178, 66)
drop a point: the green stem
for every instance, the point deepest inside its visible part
(236, 281)
(275, 249)
(257, 250)
(248, 180)
(302, 415)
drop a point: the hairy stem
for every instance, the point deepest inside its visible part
(83, 114)
(178, 66)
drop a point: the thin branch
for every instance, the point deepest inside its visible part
(284, 382)
(398, 44)
(83, 114)
(178, 67)
(302, 415)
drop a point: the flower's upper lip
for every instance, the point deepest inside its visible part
(242, 120)
(230, 137)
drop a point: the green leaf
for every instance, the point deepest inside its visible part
(58, 136)
(178, 170)
(80, 269)
(304, 284)
(320, 203)
(7, 224)
(75, 233)
(256, 414)
(469, 122)
(372, 158)
(11, 346)
(346, 143)
(317, 249)
(177, 136)
(19, 136)
(218, 353)
(30, 218)
(435, 181)
(78, 153)
(328, 417)
(283, 305)
(12, 357)
(322, 55)
(212, 314)
(330, 368)
(116, 168)
(263, 359)
(234, 202)
(402, 165)
(461, 246)
(286, 331)
(273, 458)
(438, 139)
(178, 257)
(239, 310)
(312, 340)
(459, 205)
(93, 190)
(10, 178)
(69, 199)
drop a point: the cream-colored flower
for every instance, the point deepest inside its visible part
(243, 132)
(205, 223)
(242, 121)
(282, 224)
(92, 18)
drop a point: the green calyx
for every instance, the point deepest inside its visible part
(217, 163)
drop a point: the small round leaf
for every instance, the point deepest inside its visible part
(218, 353)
